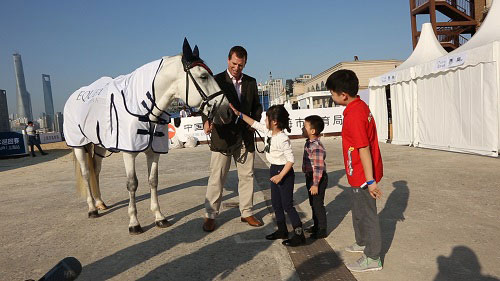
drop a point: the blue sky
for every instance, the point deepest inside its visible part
(76, 42)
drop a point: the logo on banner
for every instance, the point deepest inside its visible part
(171, 131)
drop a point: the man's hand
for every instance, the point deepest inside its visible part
(314, 190)
(236, 112)
(276, 179)
(207, 127)
(375, 192)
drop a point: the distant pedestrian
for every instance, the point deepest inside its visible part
(184, 112)
(279, 153)
(32, 140)
(314, 167)
(363, 165)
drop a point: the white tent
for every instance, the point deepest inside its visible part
(402, 91)
(457, 95)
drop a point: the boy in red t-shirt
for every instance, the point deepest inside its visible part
(363, 165)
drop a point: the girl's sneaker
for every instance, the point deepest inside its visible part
(297, 239)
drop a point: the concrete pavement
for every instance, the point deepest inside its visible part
(439, 217)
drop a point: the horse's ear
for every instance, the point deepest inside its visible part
(196, 52)
(186, 49)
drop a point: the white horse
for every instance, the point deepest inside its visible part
(117, 115)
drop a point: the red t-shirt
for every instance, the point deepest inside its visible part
(358, 131)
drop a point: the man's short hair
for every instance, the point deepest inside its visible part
(316, 123)
(343, 81)
(30, 122)
(239, 51)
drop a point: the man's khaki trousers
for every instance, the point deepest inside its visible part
(219, 167)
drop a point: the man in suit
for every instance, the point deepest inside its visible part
(234, 140)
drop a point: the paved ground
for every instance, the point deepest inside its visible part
(439, 218)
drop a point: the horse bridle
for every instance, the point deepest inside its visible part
(206, 98)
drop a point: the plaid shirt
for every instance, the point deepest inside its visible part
(314, 159)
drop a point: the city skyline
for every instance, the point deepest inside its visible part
(281, 37)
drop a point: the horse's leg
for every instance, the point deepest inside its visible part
(81, 157)
(129, 159)
(152, 159)
(100, 151)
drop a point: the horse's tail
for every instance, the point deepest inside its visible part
(80, 182)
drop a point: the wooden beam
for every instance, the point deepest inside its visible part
(413, 24)
(432, 13)
(456, 23)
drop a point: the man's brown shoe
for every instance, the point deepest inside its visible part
(209, 225)
(253, 221)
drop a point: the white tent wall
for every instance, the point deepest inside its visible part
(403, 91)
(457, 110)
(402, 112)
(378, 107)
(496, 50)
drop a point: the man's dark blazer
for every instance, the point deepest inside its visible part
(229, 137)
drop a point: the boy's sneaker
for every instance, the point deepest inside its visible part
(312, 229)
(365, 264)
(319, 234)
(355, 248)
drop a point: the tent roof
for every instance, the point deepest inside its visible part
(488, 32)
(427, 49)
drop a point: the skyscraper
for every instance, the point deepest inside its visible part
(4, 112)
(49, 104)
(23, 97)
(58, 120)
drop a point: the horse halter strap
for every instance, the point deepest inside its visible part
(204, 97)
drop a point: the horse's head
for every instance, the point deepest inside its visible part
(200, 88)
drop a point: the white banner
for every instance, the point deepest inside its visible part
(332, 116)
(50, 137)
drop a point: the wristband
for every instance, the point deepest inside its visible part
(241, 116)
(370, 182)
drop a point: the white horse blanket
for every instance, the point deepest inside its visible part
(113, 113)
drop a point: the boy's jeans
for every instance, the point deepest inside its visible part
(365, 222)
(317, 201)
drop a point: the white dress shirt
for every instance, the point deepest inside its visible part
(236, 83)
(280, 150)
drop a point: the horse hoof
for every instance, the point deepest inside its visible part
(102, 207)
(135, 230)
(163, 223)
(93, 214)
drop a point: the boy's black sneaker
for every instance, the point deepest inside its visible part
(312, 229)
(297, 239)
(277, 235)
(321, 233)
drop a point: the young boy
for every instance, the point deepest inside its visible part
(313, 165)
(363, 165)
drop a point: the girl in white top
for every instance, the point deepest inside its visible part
(279, 153)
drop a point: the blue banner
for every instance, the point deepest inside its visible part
(11, 143)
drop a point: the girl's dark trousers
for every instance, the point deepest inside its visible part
(282, 197)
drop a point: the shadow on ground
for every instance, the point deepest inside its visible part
(393, 213)
(7, 164)
(194, 266)
(461, 265)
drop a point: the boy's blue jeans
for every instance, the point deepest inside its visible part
(365, 222)
(282, 197)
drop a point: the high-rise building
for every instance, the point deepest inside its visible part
(4, 112)
(58, 122)
(49, 104)
(23, 97)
